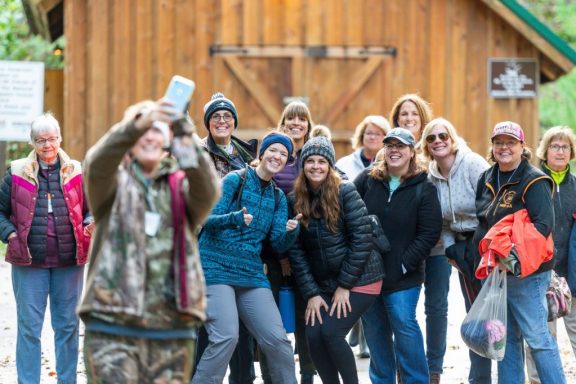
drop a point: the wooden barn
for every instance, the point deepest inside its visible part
(347, 58)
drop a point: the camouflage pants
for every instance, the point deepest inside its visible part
(112, 359)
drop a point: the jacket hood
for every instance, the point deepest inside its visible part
(463, 150)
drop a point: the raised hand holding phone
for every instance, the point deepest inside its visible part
(179, 93)
(178, 96)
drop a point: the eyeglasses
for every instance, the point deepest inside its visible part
(398, 146)
(442, 136)
(501, 144)
(559, 148)
(50, 140)
(216, 117)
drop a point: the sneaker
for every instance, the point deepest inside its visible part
(434, 378)
(364, 355)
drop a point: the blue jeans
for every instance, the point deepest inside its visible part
(436, 286)
(395, 339)
(527, 320)
(32, 287)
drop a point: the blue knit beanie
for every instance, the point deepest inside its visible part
(273, 138)
(216, 103)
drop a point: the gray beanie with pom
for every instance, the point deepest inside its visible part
(320, 146)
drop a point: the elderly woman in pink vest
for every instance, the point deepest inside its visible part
(45, 221)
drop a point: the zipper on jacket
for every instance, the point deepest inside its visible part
(558, 193)
(450, 201)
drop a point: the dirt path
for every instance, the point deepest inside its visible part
(456, 362)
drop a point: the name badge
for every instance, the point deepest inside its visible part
(151, 223)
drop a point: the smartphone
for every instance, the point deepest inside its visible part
(179, 92)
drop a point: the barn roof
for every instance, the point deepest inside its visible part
(558, 58)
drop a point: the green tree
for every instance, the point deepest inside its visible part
(558, 98)
(19, 44)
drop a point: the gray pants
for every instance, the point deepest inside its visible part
(257, 309)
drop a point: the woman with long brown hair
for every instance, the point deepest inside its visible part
(337, 272)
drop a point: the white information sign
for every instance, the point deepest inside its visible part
(21, 98)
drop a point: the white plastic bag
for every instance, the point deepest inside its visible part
(484, 327)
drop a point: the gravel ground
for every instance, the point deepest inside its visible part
(456, 364)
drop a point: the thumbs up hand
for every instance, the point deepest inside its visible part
(293, 223)
(247, 217)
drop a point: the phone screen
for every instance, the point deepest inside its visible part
(179, 92)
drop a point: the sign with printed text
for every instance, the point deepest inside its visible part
(21, 98)
(512, 77)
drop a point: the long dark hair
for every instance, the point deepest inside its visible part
(325, 203)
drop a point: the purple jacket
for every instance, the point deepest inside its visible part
(286, 177)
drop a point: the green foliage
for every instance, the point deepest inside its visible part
(16, 150)
(557, 99)
(19, 44)
(558, 102)
(559, 15)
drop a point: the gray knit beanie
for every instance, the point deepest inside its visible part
(217, 103)
(320, 146)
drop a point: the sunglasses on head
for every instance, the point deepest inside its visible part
(442, 136)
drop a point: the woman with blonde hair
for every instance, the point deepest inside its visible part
(366, 142)
(454, 169)
(398, 192)
(337, 271)
(412, 112)
(555, 151)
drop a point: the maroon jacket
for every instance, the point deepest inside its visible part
(23, 195)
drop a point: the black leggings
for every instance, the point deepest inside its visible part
(327, 343)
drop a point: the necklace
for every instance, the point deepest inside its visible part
(507, 181)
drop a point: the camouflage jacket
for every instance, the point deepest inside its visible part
(135, 279)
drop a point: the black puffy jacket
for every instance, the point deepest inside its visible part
(323, 260)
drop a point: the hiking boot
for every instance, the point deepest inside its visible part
(434, 378)
(364, 355)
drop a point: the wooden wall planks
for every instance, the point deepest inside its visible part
(120, 52)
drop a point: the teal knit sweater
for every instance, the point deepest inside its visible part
(230, 250)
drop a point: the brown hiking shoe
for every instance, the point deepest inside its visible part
(434, 378)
